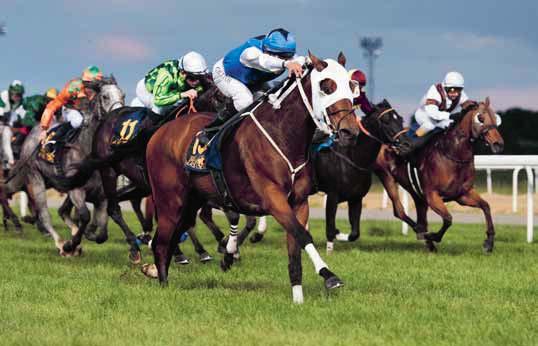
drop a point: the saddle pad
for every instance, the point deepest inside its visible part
(196, 155)
(53, 143)
(128, 127)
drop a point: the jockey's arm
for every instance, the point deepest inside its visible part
(432, 109)
(254, 58)
(363, 102)
(164, 91)
(53, 106)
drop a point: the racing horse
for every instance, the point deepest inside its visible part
(444, 172)
(40, 174)
(265, 164)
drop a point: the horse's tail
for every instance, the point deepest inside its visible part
(85, 169)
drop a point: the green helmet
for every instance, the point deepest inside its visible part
(16, 87)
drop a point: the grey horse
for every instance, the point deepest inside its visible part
(40, 175)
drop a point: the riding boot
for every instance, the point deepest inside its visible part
(211, 129)
(409, 143)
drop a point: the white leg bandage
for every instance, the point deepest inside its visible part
(315, 257)
(297, 293)
(231, 246)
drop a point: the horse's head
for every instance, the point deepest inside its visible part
(484, 126)
(109, 96)
(385, 123)
(332, 97)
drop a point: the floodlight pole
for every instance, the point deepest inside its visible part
(372, 50)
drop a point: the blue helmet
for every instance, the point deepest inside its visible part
(280, 42)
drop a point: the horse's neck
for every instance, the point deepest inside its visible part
(291, 124)
(457, 141)
(366, 150)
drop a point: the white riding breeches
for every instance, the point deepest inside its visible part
(72, 116)
(241, 95)
(7, 133)
(428, 124)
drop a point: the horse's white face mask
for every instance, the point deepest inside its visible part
(320, 100)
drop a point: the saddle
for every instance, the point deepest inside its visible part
(55, 142)
(208, 158)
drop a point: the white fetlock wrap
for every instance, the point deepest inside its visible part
(149, 244)
(330, 246)
(342, 236)
(262, 225)
(315, 257)
(297, 293)
(231, 246)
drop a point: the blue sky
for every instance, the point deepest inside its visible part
(495, 45)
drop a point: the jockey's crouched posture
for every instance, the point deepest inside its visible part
(248, 67)
(10, 109)
(69, 101)
(436, 107)
(166, 85)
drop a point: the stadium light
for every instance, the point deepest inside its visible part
(372, 50)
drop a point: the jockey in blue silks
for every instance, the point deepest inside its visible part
(247, 69)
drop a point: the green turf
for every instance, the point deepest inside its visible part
(394, 293)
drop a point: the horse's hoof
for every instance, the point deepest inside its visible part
(135, 257)
(182, 259)
(28, 219)
(226, 262)
(101, 237)
(353, 236)
(256, 238)
(90, 236)
(150, 270)
(333, 282)
(432, 237)
(421, 236)
(68, 246)
(430, 246)
(488, 247)
(205, 257)
(330, 247)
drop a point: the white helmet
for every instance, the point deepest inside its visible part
(193, 62)
(453, 80)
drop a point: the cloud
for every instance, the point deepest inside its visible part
(122, 47)
(504, 98)
(468, 40)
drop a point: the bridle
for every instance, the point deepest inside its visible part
(392, 139)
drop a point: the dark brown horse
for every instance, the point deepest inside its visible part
(265, 163)
(445, 172)
(344, 173)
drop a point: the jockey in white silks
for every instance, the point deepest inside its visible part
(10, 109)
(249, 67)
(440, 101)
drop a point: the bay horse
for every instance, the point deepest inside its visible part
(444, 172)
(129, 160)
(265, 163)
(344, 172)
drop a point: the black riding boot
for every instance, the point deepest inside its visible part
(410, 143)
(211, 129)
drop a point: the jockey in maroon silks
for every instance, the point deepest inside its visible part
(358, 77)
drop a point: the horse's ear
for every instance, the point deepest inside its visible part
(342, 59)
(386, 103)
(487, 101)
(319, 65)
(113, 79)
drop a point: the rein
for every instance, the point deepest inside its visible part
(369, 134)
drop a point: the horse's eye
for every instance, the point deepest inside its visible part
(328, 86)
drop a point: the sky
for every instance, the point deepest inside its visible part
(493, 44)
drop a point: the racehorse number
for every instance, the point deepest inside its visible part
(127, 130)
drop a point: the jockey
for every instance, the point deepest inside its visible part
(248, 67)
(34, 106)
(69, 99)
(436, 107)
(10, 110)
(361, 101)
(166, 85)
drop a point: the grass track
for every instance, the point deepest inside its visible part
(395, 293)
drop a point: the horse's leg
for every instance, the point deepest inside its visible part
(295, 269)
(203, 255)
(64, 211)
(206, 215)
(249, 226)
(10, 215)
(78, 198)
(438, 206)
(38, 192)
(421, 227)
(100, 220)
(473, 199)
(232, 245)
(283, 213)
(260, 231)
(391, 187)
(354, 214)
(136, 203)
(331, 232)
(109, 178)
